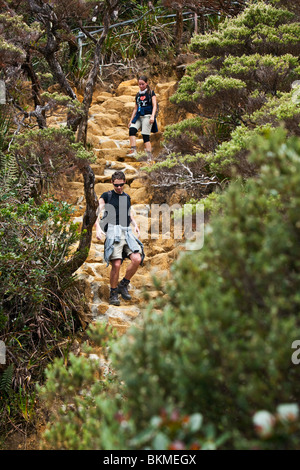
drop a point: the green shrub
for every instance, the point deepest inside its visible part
(222, 345)
(88, 410)
(191, 136)
(260, 27)
(232, 156)
(283, 109)
(267, 73)
(40, 305)
(220, 350)
(240, 83)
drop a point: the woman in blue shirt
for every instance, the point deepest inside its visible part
(143, 117)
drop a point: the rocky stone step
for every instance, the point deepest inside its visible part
(108, 134)
(130, 171)
(116, 165)
(113, 152)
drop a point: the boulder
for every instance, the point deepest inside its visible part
(137, 183)
(139, 195)
(106, 120)
(101, 188)
(116, 104)
(106, 143)
(99, 99)
(128, 87)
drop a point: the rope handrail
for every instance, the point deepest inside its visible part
(80, 35)
(123, 23)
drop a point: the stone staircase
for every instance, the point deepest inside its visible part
(108, 134)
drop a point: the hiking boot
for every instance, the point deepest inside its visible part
(123, 289)
(131, 153)
(114, 298)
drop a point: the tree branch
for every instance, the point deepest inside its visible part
(89, 220)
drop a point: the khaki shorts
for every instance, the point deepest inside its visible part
(143, 122)
(121, 248)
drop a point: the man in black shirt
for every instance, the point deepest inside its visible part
(120, 242)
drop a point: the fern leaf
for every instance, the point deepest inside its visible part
(6, 379)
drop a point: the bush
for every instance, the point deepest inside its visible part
(260, 27)
(89, 411)
(86, 408)
(240, 83)
(43, 155)
(220, 350)
(222, 345)
(40, 307)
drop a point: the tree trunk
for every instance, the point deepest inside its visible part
(195, 23)
(49, 20)
(49, 52)
(90, 86)
(202, 24)
(35, 85)
(59, 74)
(179, 30)
(92, 203)
(89, 220)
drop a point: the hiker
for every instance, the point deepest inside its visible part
(143, 117)
(120, 242)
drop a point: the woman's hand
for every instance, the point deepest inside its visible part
(151, 119)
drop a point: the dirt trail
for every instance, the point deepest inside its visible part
(108, 134)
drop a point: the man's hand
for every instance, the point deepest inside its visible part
(99, 232)
(100, 235)
(137, 230)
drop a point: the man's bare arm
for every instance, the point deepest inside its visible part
(134, 223)
(99, 232)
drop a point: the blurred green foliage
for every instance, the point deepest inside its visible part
(222, 344)
(220, 348)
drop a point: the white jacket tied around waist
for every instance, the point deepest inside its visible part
(114, 235)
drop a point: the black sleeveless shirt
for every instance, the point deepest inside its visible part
(118, 208)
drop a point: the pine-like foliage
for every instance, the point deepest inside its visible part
(244, 81)
(221, 348)
(222, 345)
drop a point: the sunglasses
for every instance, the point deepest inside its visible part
(118, 185)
